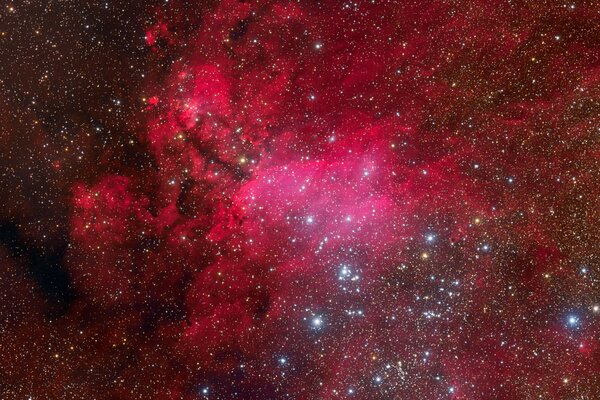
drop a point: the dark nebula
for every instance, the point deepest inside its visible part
(300, 200)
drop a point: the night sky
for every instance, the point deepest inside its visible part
(307, 200)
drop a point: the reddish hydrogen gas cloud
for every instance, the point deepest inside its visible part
(365, 200)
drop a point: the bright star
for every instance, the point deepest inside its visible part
(317, 322)
(573, 320)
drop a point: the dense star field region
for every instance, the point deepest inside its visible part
(300, 199)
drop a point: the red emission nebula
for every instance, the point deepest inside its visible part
(327, 200)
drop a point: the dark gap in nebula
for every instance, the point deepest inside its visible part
(44, 266)
(240, 29)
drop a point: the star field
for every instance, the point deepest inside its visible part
(300, 200)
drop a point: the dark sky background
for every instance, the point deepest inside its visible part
(71, 74)
(299, 199)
